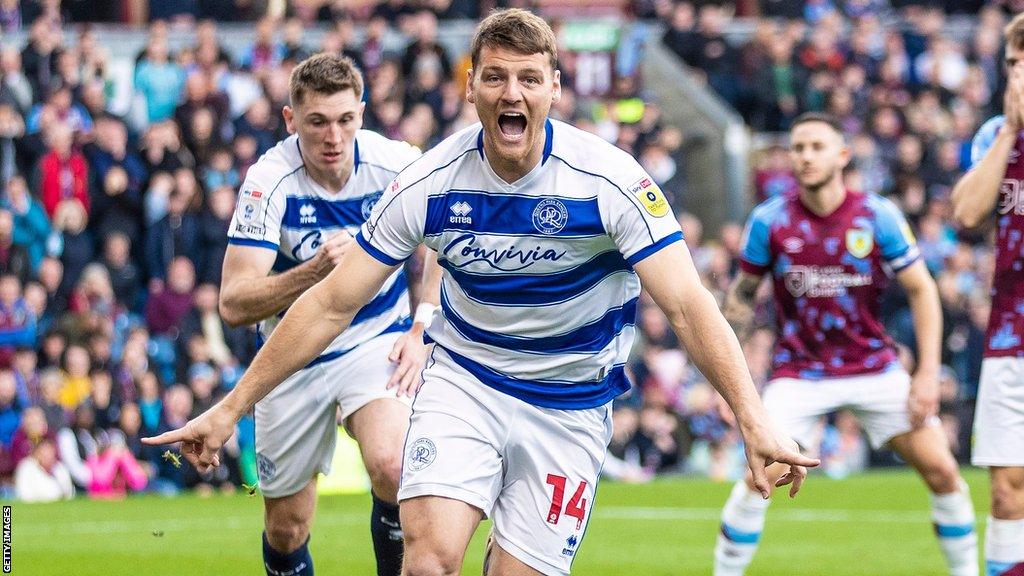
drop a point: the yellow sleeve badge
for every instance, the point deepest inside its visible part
(651, 197)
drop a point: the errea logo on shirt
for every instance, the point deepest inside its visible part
(460, 213)
(307, 214)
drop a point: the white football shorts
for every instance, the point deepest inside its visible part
(878, 400)
(296, 424)
(999, 414)
(533, 470)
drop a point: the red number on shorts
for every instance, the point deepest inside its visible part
(577, 506)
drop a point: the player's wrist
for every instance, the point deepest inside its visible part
(424, 315)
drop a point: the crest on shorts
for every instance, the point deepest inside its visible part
(550, 216)
(859, 242)
(265, 468)
(421, 454)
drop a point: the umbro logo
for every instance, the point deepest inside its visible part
(307, 214)
(793, 244)
(461, 210)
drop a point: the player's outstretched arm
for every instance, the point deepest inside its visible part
(926, 309)
(316, 318)
(249, 294)
(672, 281)
(974, 196)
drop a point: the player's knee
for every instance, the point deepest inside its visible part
(426, 561)
(385, 472)
(1008, 496)
(286, 531)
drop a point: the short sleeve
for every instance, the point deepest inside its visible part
(395, 226)
(638, 216)
(257, 217)
(984, 138)
(895, 239)
(755, 248)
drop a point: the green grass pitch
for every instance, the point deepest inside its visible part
(872, 524)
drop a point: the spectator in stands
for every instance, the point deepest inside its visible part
(213, 229)
(14, 257)
(159, 80)
(120, 176)
(166, 308)
(76, 387)
(41, 477)
(125, 277)
(63, 173)
(31, 228)
(15, 87)
(75, 244)
(176, 234)
(37, 58)
(32, 430)
(17, 321)
(425, 51)
(11, 409)
(265, 52)
(12, 129)
(59, 108)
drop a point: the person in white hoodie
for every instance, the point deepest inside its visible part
(40, 477)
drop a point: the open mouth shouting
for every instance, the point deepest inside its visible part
(512, 126)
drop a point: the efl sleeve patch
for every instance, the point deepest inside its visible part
(651, 197)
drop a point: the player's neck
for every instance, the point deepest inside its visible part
(511, 171)
(331, 181)
(824, 200)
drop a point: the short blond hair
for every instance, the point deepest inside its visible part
(1014, 32)
(518, 30)
(324, 74)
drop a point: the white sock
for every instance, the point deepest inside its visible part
(1004, 546)
(953, 515)
(742, 524)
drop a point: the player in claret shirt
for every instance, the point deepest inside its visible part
(830, 252)
(992, 188)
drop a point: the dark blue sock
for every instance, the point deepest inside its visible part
(387, 537)
(297, 563)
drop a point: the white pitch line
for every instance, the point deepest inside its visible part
(170, 525)
(815, 515)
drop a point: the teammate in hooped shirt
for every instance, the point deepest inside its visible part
(994, 189)
(829, 252)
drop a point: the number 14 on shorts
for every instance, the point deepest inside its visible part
(577, 506)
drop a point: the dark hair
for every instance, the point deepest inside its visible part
(518, 30)
(324, 74)
(822, 117)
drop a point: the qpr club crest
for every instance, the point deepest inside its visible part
(368, 203)
(859, 242)
(550, 216)
(421, 454)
